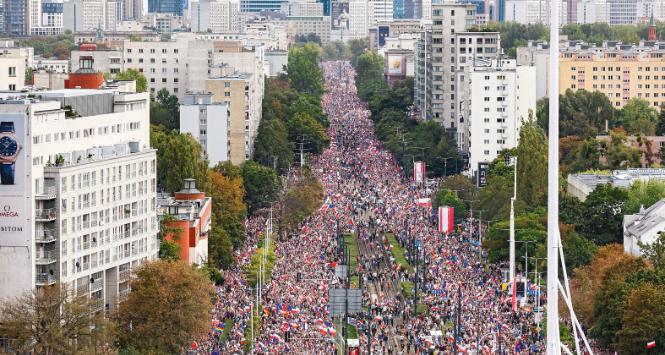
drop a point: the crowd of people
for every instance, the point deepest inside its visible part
(366, 193)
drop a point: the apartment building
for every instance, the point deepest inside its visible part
(216, 16)
(12, 71)
(189, 210)
(203, 118)
(364, 14)
(499, 96)
(48, 18)
(444, 49)
(51, 65)
(15, 17)
(537, 54)
(180, 65)
(240, 91)
(79, 194)
(620, 71)
(381, 30)
(174, 7)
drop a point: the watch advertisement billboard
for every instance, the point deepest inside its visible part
(13, 165)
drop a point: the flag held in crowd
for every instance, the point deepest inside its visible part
(651, 344)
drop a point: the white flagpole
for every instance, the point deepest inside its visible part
(553, 341)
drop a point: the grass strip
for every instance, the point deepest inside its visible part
(398, 252)
(228, 324)
(407, 288)
(351, 244)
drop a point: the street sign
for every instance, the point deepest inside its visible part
(337, 301)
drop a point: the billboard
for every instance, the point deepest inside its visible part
(395, 64)
(13, 167)
(482, 173)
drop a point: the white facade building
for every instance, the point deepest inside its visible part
(500, 96)
(302, 8)
(534, 11)
(591, 11)
(216, 16)
(80, 195)
(12, 72)
(52, 65)
(643, 227)
(537, 54)
(364, 14)
(90, 15)
(208, 123)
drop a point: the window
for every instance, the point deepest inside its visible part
(227, 94)
(12, 71)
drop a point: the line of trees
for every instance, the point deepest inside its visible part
(406, 138)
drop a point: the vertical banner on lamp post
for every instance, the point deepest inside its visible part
(482, 173)
(419, 171)
(446, 220)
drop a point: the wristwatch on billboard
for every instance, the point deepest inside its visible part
(9, 149)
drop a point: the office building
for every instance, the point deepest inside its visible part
(203, 118)
(174, 7)
(79, 193)
(301, 26)
(132, 10)
(394, 29)
(364, 14)
(48, 18)
(90, 15)
(533, 11)
(261, 5)
(51, 64)
(589, 11)
(16, 17)
(216, 16)
(189, 213)
(498, 97)
(302, 8)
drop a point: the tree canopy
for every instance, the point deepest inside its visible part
(179, 156)
(133, 74)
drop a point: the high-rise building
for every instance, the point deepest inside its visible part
(622, 12)
(298, 8)
(79, 192)
(132, 10)
(590, 11)
(260, 5)
(16, 17)
(90, 15)
(364, 14)
(208, 123)
(442, 50)
(534, 11)
(537, 55)
(174, 7)
(499, 96)
(221, 16)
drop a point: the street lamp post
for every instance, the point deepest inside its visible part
(511, 272)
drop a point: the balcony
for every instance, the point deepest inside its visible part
(45, 236)
(48, 193)
(124, 294)
(45, 257)
(45, 215)
(97, 285)
(97, 305)
(44, 279)
(124, 275)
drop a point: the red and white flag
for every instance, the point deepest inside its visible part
(425, 202)
(419, 171)
(446, 221)
(514, 298)
(651, 344)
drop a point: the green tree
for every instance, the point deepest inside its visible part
(529, 226)
(660, 125)
(643, 320)
(617, 154)
(644, 194)
(303, 198)
(532, 165)
(169, 249)
(655, 252)
(272, 146)
(220, 248)
(601, 215)
(179, 156)
(168, 323)
(133, 74)
(461, 184)
(310, 105)
(587, 156)
(581, 113)
(445, 197)
(54, 320)
(357, 47)
(228, 211)
(303, 69)
(303, 127)
(639, 117)
(514, 34)
(262, 185)
(165, 110)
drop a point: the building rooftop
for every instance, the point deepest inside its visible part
(647, 219)
(581, 185)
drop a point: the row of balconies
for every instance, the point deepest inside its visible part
(44, 279)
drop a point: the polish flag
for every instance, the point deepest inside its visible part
(424, 202)
(514, 298)
(651, 344)
(446, 221)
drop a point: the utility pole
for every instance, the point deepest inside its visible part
(511, 273)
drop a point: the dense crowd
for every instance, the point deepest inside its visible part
(367, 193)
